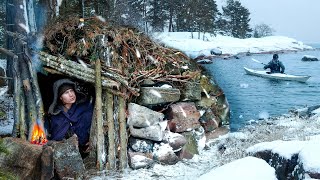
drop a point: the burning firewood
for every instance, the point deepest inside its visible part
(37, 134)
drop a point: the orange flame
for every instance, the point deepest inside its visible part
(38, 136)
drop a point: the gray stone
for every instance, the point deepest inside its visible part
(47, 163)
(139, 160)
(164, 154)
(175, 140)
(154, 132)
(140, 145)
(209, 121)
(67, 159)
(191, 91)
(158, 95)
(140, 116)
(309, 58)
(195, 143)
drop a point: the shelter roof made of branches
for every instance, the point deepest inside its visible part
(137, 54)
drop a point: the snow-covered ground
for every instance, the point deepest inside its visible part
(215, 159)
(221, 157)
(232, 147)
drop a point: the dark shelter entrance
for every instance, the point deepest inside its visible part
(46, 82)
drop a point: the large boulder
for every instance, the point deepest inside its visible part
(67, 159)
(140, 116)
(248, 168)
(309, 58)
(23, 159)
(184, 115)
(295, 162)
(154, 132)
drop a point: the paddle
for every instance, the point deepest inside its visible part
(257, 61)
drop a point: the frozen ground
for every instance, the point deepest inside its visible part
(230, 147)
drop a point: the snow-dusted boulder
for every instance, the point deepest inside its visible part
(140, 116)
(291, 159)
(175, 140)
(248, 168)
(185, 115)
(140, 145)
(164, 154)
(158, 95)
(154, 132)
(215, 51)
(137, 161)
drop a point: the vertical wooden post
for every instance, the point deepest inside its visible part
(123, 133)
(111, 131)
(98, 110)
(17, 97)
(101, 154)
(122, 117)
(22, 123)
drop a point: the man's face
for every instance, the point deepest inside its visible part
(68, 97)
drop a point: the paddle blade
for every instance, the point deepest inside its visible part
(257, 61)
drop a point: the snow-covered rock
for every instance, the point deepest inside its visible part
(248, 168)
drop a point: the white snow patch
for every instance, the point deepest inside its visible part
(242, 169)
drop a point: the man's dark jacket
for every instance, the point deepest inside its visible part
(275, 66)
(76, 120)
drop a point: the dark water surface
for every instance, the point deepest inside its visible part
(252, 97)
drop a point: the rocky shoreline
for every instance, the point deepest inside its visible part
(297, 125)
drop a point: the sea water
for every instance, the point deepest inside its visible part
(254, 98)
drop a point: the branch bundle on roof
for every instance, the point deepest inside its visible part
(137, 53)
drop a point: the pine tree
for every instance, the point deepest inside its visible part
(197, 15)
(206, 15)
(184, 15)
(238, 19)
(158, 14)
(222, 25)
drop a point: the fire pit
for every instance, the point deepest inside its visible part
(38, 135)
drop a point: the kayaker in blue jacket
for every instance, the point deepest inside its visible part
(275, 65)
(70, 113)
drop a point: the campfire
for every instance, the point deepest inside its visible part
(38, 135)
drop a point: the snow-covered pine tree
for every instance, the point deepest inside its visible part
(238, 19)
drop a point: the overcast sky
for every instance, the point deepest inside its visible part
(292, 18)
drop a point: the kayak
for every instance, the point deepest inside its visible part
(279, 76)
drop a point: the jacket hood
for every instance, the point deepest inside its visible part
(54, 107)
